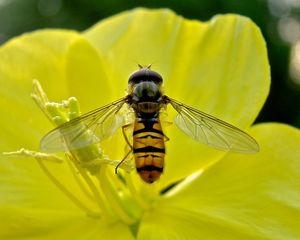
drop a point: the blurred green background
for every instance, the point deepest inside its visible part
(279, 21)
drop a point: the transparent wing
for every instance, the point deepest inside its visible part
(212, 131)
(85, 130)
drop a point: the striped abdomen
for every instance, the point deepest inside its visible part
(148, 149)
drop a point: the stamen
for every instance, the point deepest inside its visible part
(71, 196)
(37, 155)
(98, 195)
(136, 196)
(40, 97)
(86, 192)
(113, 197)
(74, 110)
(56, 115)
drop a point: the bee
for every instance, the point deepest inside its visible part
(146, 100)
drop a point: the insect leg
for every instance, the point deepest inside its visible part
(124, 134)
(166, 138)
(128, 143)
(119, 164)
(166, 124)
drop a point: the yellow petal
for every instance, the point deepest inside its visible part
(39, 55)
(25, 184)
(32, 223)
(240, 197)
(32, 207)
(86, 75)
(87, 78)
(219, 67)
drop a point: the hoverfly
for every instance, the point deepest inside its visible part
(145, 99)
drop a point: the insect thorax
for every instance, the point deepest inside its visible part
(146, 98)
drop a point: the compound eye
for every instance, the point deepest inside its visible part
(145, 74)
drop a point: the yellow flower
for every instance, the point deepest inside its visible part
(219, 67)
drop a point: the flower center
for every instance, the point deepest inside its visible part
(102, 192)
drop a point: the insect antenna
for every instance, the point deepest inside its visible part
(148, 66)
